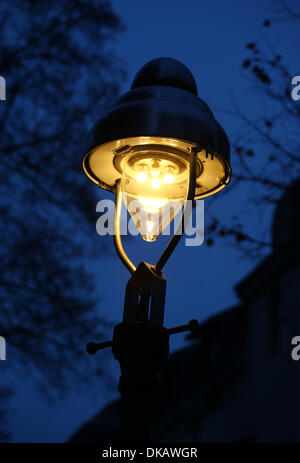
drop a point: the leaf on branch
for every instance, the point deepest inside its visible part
(246, 63)
(261, 74)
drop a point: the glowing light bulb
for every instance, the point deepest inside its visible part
(168, 179)
(142, 177)
(156, 183)
(152, 204)
(152, 194)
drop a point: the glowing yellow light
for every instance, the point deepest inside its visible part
(152, 204)
(154, 186)
(149, 236)
(155, 169)
(155, 183)
(168, 179)
(150, 225)
(142, 177)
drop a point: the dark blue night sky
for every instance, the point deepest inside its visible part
(209, 38)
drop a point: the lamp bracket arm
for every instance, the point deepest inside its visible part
(117, 232)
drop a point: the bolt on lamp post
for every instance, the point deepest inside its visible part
(158, 146)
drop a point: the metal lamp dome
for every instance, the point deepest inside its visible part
(161, 113)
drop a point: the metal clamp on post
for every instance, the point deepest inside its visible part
(192, 326)
(145, 296)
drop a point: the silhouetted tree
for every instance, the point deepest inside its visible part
(60, 71)
(267, 145)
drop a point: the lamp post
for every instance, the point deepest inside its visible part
(158, 148)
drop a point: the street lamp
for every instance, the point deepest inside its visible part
(159, 147)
